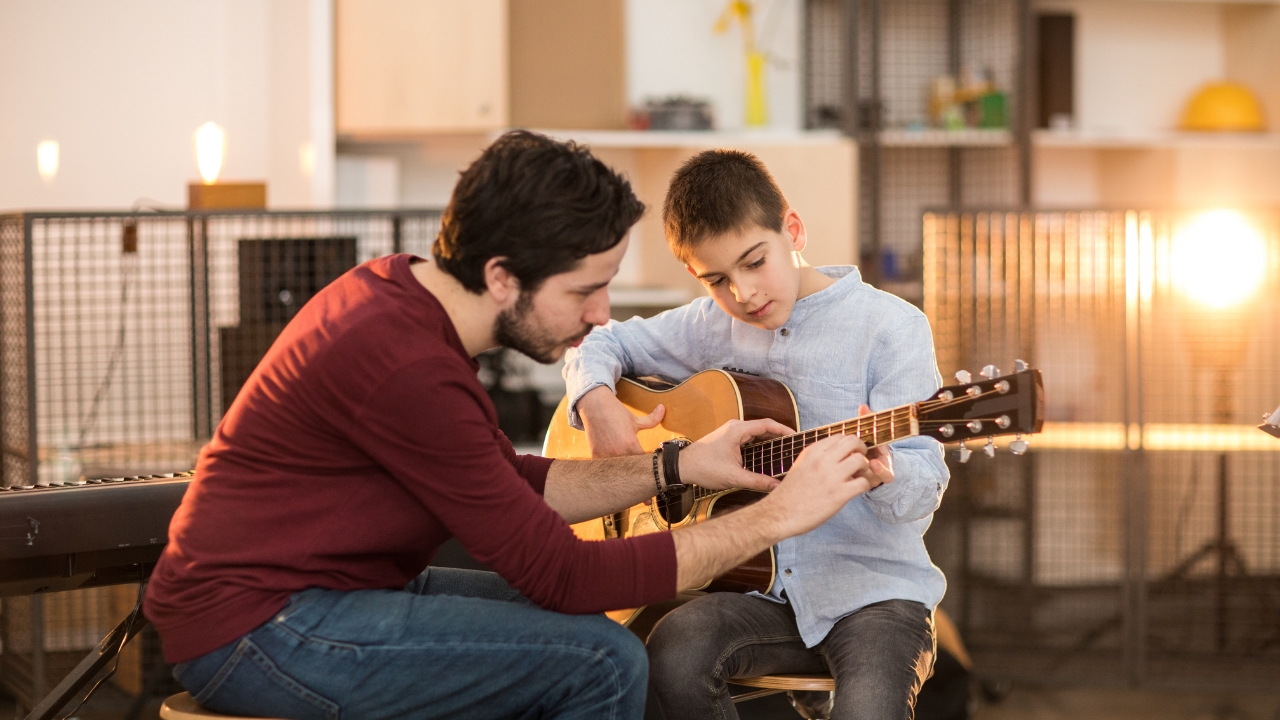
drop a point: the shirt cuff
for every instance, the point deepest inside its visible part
(534, 468)
(575, 420)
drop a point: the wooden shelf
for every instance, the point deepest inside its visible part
(946, 138)
(659, 297)
(1154, 140)
(692, 138)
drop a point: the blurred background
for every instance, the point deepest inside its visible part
(1092, 186)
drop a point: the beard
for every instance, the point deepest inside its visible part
(517, 329)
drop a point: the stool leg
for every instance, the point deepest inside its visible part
(811, 704)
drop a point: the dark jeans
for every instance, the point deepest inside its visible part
(879, 655)
(453, 644)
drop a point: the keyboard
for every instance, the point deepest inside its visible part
(85, 533)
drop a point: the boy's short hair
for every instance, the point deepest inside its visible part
(717, 192)
(542, 205)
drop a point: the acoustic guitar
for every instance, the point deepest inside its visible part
(995, 406)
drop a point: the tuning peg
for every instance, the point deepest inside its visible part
(990, 372)
(964, 377)
(1020, 365)
(990, 447)
(1018, 446)
(965, 453)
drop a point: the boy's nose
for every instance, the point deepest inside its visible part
(743, 293)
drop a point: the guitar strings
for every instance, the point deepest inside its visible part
(778, 454)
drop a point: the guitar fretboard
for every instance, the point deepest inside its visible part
(775, 457)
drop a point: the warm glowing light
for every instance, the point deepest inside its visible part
(47, 159)
(1219, 259)
(209, 150)
(306, 159)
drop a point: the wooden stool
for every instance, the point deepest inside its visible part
(183, 707)
(772, 684)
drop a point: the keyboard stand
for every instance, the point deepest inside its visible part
(88, 669)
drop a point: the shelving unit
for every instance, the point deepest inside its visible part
(869, 67)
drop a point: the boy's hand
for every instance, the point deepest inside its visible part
(611, 428)
(880, 468)
(715, 461)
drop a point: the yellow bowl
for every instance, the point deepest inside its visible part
(1224, 107)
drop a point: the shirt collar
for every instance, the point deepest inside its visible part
(847, 279)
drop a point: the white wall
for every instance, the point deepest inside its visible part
(122, 86)
(672, 50)
(1137, 63)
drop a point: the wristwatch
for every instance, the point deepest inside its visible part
(671, 464)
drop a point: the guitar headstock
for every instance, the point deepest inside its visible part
(997, 405)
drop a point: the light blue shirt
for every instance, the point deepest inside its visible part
(845, 345)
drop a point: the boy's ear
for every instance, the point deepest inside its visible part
(691, 271)
(793, 226)
(500, 282)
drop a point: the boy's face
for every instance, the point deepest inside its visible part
(753, 274)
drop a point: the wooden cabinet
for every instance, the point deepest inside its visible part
(408, 67)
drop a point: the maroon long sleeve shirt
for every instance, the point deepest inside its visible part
(359, 445)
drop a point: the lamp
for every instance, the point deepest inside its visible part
(211, 148)
(47, 160)
(1218, 264)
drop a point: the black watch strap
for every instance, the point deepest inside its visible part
(671, 463)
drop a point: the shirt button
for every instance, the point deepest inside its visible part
(787, 571)
(785, 332)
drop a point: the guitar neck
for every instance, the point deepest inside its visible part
(775, 457)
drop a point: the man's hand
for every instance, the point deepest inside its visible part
(715, 461)
(880, 468)
(611, 428)
(826, 476)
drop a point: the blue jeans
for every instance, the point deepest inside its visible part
(453, 644)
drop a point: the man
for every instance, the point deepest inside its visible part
(295, 584)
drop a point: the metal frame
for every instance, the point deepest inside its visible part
(179, 238)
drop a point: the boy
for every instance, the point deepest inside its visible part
(855, 596)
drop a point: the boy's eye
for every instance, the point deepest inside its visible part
(757, 263)
(717, 282)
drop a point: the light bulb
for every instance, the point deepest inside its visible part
(47, 159)
(209, 150)
(1219, 259)
(306, 159)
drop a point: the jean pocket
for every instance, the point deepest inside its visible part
(250, 683)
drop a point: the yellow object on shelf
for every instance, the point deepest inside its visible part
(757, 105)
(756, 102)
(1224, 107)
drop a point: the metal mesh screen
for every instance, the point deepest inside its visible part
(1138, 540)
(123, 338)
(913, 154)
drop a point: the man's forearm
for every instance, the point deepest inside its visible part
(585, 489)
(711, 548)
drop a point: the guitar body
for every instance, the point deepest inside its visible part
(694, 408)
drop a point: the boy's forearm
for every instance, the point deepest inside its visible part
(916, 491)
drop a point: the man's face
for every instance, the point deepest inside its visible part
(751, 274)
(545, 323)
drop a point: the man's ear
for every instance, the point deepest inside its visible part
(502, 286)
(793, 226)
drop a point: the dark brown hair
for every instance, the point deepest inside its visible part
(717, 192)
(540, 204)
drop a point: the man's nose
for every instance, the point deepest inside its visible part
(597, 309)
